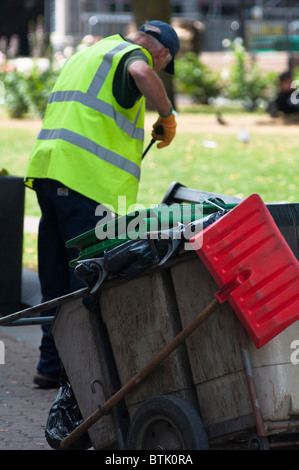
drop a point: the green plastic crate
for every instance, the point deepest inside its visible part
(119, 230)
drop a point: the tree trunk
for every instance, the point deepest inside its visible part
(155, 10)
(151, 10)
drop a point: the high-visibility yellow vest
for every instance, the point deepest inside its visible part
(88, 142)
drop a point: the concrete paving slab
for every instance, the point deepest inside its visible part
(24, 408)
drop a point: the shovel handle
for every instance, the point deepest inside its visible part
(159, 131)
(140, 376)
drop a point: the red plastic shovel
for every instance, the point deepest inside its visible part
(254, 267)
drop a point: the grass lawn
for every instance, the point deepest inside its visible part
(16, 140)
(210, 157)
(204, 155)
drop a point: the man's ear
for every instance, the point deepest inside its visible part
(165, 52)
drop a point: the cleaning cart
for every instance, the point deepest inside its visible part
(228, 380)
(218, 389)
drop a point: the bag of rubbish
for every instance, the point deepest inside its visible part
(198, 225)
(210, 219)
(134, 256)
(64, 417)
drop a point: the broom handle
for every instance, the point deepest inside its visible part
(6, 320)
(140, 376)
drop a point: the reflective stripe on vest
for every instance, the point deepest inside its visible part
(92, 147)
(104, 68)
(107, 109)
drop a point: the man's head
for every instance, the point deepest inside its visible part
(167, 36)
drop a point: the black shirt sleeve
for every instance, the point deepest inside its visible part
(125, 90)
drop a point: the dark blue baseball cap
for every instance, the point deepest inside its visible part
(166, 35)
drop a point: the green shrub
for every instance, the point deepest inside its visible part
(27, 92)
(196, 79)
(14, 86)
(246, 81)
(38, 87)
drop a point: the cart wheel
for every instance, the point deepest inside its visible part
(258, 443)
(166, 423)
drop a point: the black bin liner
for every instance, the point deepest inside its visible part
(132, 258)
(64, 417)
(210, 219)
(127, 261)
(135, 256)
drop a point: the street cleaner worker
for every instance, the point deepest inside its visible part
(89, 151)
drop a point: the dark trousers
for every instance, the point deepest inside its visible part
(65, 214)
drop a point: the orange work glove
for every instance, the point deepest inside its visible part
(169, 129)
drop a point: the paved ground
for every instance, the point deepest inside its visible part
(24, 408)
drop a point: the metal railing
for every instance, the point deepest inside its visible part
(280, 35)
(105, 24)
(263, 35)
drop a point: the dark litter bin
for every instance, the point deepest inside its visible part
(286, 217)
(12, 197)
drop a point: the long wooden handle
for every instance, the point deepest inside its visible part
(36, 309)
(140, 376)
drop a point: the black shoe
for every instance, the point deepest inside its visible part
(46, 380)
